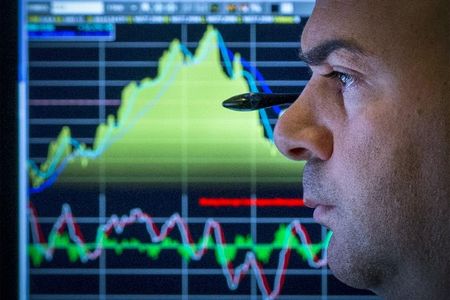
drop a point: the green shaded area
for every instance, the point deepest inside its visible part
(223, 253)
(173, 127)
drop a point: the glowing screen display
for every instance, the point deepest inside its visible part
(139, 184)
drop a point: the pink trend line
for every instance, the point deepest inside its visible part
(74, 102)
(212, 228)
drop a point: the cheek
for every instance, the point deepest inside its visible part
(361, 158)
(374, 166)
(358, 158)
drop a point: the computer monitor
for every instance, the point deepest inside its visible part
(136, 183)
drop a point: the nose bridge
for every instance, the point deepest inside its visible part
(299, 134)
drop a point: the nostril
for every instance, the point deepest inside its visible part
(298, 153)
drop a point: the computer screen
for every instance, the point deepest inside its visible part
(136, 182)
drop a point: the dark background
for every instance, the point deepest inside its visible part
(8, 144)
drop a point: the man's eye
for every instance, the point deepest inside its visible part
(344, 79)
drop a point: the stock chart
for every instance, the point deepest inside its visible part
(142, 186)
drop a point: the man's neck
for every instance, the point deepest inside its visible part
(419, 283)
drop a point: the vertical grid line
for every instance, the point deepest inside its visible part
(102, 258)
(101, 79)
(102, 181)
(184, 182)
(23, 138)
(253, 208)
(24, 236)
(324, 276)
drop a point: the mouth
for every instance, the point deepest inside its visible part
(320, 214)
(321, 211)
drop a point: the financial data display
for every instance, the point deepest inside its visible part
(139, 184)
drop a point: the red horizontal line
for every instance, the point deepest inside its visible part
(244, 202)
(73, 102)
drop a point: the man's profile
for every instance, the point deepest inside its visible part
(374, 124)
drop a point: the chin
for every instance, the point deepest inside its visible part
(353, 266)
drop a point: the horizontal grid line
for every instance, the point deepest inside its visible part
(74, 102)
(177, 179)
(146, 64)
(47, 140)
(193, 297)
(156, 44)
(237, 141)
(193, 220)
(68, 121)
(56, 83)
(160, 271)
(95, 121)
(192, 160)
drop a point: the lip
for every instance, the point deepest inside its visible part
(310, 203)
(321, 212)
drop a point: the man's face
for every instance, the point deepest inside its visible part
(373, 123)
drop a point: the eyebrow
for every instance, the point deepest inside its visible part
(317, 55)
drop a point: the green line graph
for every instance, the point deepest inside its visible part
(223, 253)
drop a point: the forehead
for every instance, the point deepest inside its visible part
(370, 23)
(397, 34)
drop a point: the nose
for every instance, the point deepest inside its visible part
(300, 134)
